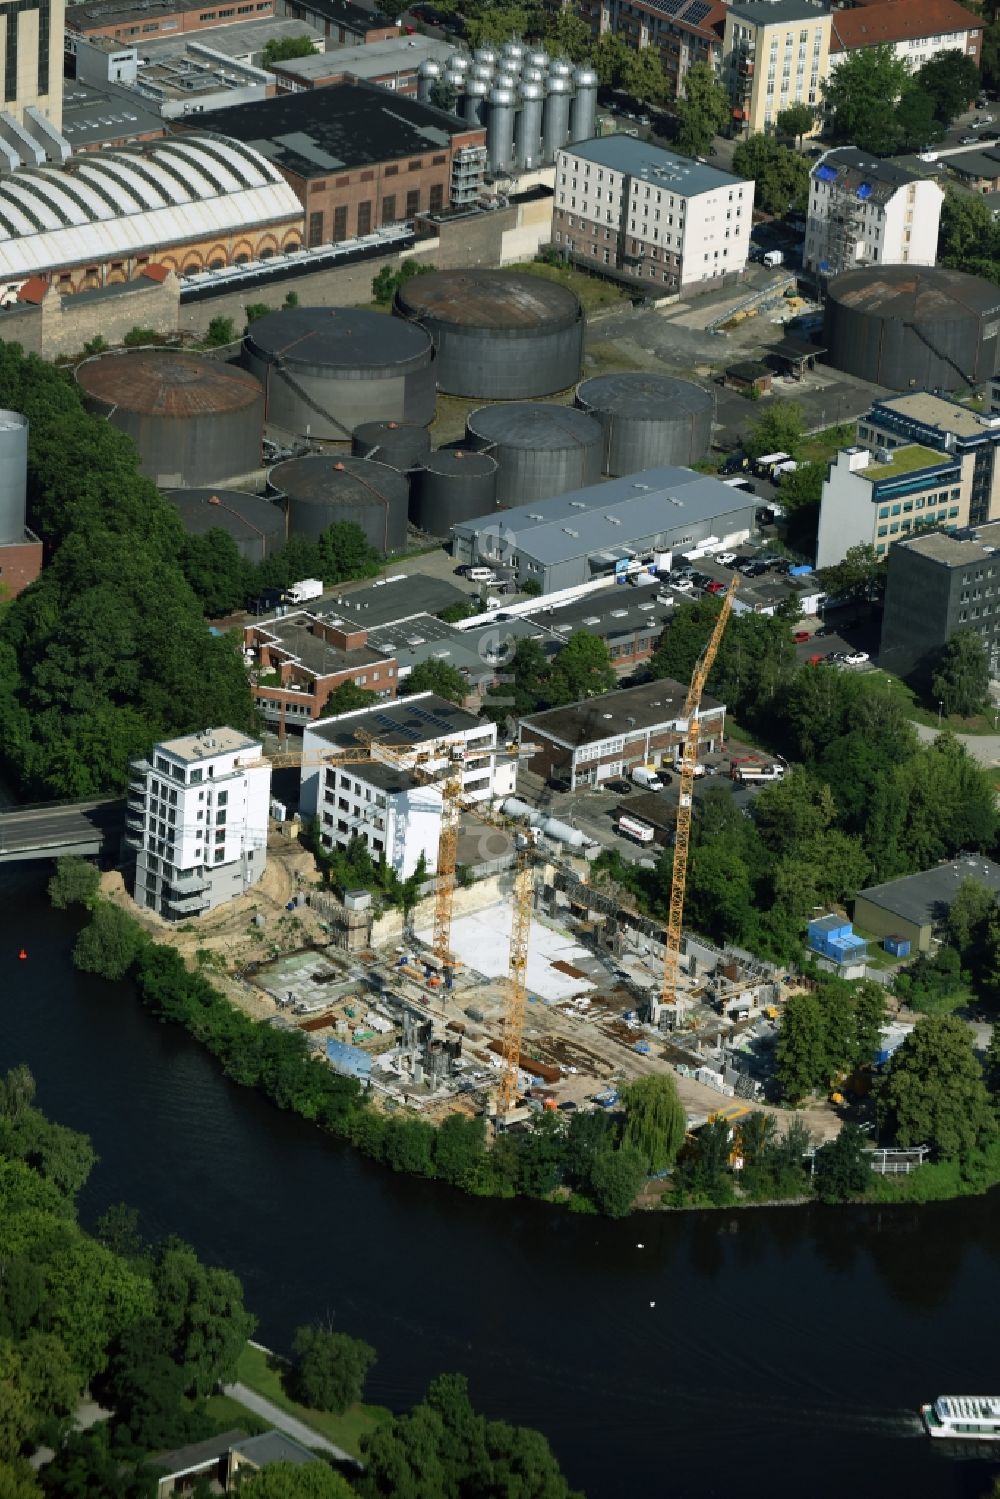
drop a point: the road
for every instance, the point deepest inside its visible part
(982, 747)
(297, 1430)
(73, 827)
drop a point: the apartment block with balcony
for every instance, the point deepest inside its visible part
(875, 499)
(196, 814)
(296, 661)
(864, 211)
(396, 816)
(775, 53)
(683, 32)
(647, 216)
(972, 437)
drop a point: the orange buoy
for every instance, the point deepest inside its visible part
(23, 954)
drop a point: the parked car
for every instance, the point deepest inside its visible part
(725, 559)
(715, 587)
(461, 570)
(618, 785)
(684, 585)
(856, 658)
(969, 140)
(801, 636)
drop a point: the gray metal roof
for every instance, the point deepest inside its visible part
(182, 1460)
(632, 710)
(589, 520)
(410, 721)
(274, 1447)
(475, 652)
(665, 169)
(848, 159)
(923, 899)
(778, 12)
(394, 600)
(613, 611)
(372, 61)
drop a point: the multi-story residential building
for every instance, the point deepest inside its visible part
(970, 436)
(359, 156)
(775, 53)
(197, 816)
(915, 32)
(642, 214)
(298, 660)
(396, 816)
(424, 730)
(684, 32)
(937, 584)
(595, 740)
(863, 211)
(875, 499)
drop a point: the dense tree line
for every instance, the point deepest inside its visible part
(533, 680)
(876, 103)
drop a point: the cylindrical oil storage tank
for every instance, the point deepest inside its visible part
(325, 369)
(555, 121)
(529, 126)
(474, 104)
(402, 445)
(258, 526)
(13, 476)
(454, 485)
(909, 327)
(583, 115)
(428, 73)
(499, 335)
(193, 420)
(321, 491)
(542, 449)
(500, 129)
(649, 421)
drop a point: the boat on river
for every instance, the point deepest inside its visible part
(970, 1418)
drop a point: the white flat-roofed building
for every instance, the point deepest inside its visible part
(397, 817)
(424, 730)
(626, 208)
(197, 814)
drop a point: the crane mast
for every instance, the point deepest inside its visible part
(669, 995)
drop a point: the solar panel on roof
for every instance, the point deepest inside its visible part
(697, 13)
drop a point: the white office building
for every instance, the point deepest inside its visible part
(863, 211)
(424, 731)
(197, 815)
(396, 816)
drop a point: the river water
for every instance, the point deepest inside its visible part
(757, 1353)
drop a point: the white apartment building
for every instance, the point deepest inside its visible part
(916, 32)
(397, 817)
(423, 730)
(642, 214)
(863, 211)
(197, 815)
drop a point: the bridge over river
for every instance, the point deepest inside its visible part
(51, 830)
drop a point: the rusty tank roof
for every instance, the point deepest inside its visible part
(914, 293)
(158, 382)
(509, 301)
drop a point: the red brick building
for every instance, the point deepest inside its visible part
(298, 660)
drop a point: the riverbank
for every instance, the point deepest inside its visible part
(260, 1369)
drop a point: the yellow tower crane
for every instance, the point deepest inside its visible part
(682, 837)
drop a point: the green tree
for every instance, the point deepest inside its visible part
(961, 679)
(968, 238)
(567, 35)
(525, 686)
(842, 1168)
(118, 1230)
(220, 331)
(781, 175)
(437, 676)
(933, 1093)
(703, 112)
(778, 430)
(346, 698)
(859, 578)
(109, 944)
(704, 1169)
(17, 1481)
(951, 81)
(138, 337)
(797, 120)
(582, 669)
(861, 95)
(144, 1387)
(992, 1067)
(284, 48)
(294, 1481)
(654, 1120)
(330, 1368)
(453, 614)
(216, 571)
(990, 54)
(531, 588)
(444, 95)
(610, 58)
(802, 1048)
(388, 280)
(199, 1309)
(801, 492)
(75, 883)
(615, 1179)
(345, 553)
(255, 310)
(916, 121)
(642, 75)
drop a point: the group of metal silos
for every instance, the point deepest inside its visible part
(531, 104)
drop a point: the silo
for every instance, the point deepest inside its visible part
(559, 67)
(486, 55)
(499, 335)
(483, 71)
(542, 449)
(500, 129)
(325, 369)
(454, 485)
(322, 491)
(908, 327)
(474, 108)
(13, 476)
(258, 526)
(193, 420)
(529, 127)
(555, 121)
(532, 75)
(503, 79)
(649, 421)
(459, 62)
(402, 445)
(455, 81)
(584, 112)
(513, 52)
(428, 74)
(537, 58)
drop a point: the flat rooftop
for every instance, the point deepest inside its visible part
(406, 723)
(778, 12)
(953, 549)
(925, 898)
(628, 712)
(92, 115)
(664, 169)
(908, 459)
(350, 124)
(936, 414)
(294, 633)
(371, 61)
(242, 39)
(394, 600)
(613, 611)
(474, 652)
(387, 778)
(208, 744)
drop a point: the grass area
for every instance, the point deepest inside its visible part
(820, 447)
(883, 681)
(227, 1413)
(593, 291)
(941, 1180)
(262, 1372)
(736, 730)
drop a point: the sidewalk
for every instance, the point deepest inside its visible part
(292, 1427)
(982, 747)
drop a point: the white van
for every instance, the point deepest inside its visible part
(643, 776)
(481, 575)
(699, 769)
